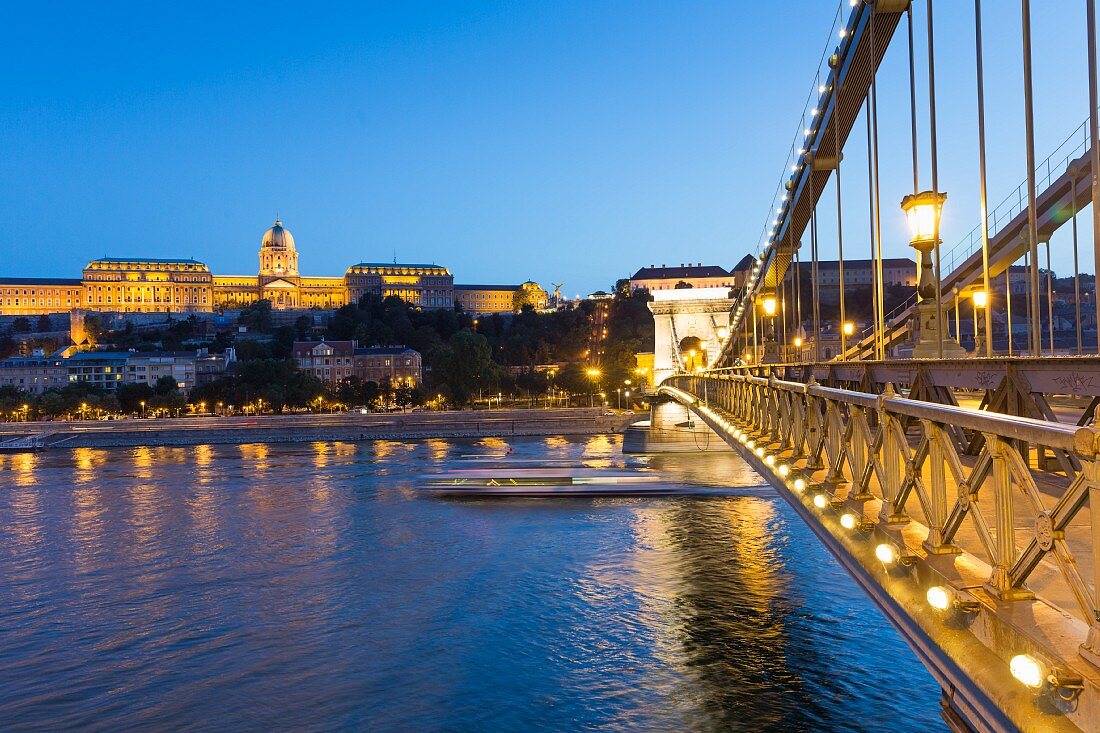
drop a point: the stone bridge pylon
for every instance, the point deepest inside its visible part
(690, 325)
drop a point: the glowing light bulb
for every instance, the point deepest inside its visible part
(760, 452)
(784, 470)
(848, 520)
(886, 554)
(769, 460)
(938, 598)
(1027, 669)
(820, 501)
(799, 484)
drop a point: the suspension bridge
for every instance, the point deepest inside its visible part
(952, 478)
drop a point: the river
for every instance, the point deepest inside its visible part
(309, 587)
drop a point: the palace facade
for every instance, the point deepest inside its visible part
(145, 285)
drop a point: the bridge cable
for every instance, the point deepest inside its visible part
(1050, 303)
(1094, 140)
(839, 220)
(1076, 264)
(814, 280)
(876, 234)
(935, 177)
(1036, 336)
(982, 184)
(913, 100)
(871, 219)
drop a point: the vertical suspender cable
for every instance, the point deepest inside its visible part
(871, 219)
(982, 184)
(1050, 303)
(1032, 215)
(1076, 262)
(876, 231)
(1008, 306)
(835, 63)
(935, 178)
(913, 100)
(1094, 144)
(814, 280)
(798, 295)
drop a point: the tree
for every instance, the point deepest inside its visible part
(44, 324)
(257, 316)
(21, 325)
(466, 364)
(130, 396)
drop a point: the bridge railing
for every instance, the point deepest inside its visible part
(1055, 164)
(897, 470)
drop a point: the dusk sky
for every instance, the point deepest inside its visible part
(563, 142)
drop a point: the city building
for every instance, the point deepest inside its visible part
(655, 278)
(150, 285)
(332, 361)
(35, 373)
(109, 369)
(486, 299)
(895, 271)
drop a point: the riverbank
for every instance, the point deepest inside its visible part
(311, 428)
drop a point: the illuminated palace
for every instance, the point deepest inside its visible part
(144, 285)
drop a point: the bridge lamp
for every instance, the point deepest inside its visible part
(743, 438)
(944, 598)
(820, 501)
(886, 554)
(849, 328)
(770, 305)
(981, 298)
(784, 470)
(1028, 670)
(751, 444)
(769, 460)
(799, 484)
(848, 520)
(798, 341)
(760, 452)
(723, 333)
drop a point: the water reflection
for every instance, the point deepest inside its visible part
(307, 586)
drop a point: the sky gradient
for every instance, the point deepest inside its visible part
(563, 142)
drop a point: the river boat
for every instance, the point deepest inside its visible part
(556, 481)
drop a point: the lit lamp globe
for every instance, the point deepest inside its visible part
(923, 210)
(770, 305)
(981, 298)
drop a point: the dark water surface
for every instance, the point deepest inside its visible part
(307, 587)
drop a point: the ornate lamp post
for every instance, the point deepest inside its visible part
(770, 306)
(923, 211)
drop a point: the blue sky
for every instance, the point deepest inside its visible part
(565, 142)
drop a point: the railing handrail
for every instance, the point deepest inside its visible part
(1080, 440)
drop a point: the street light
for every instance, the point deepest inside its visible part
(849, 328)
(143, 408)
(979, 299)
(770, 305)
(923, 210)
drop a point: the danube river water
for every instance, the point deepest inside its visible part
(309, 587)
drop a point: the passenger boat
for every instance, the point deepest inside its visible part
(555, 481)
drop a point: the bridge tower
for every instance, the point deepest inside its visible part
(690, 325)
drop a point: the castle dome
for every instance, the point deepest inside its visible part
(278, 238)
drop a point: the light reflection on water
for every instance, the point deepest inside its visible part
(307, 586)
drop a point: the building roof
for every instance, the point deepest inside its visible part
(679, 273)
(744, 264)
(862, 264)
(157, 260)
(487, 287)
(384, 351)
(39, 281)
(399, 265)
